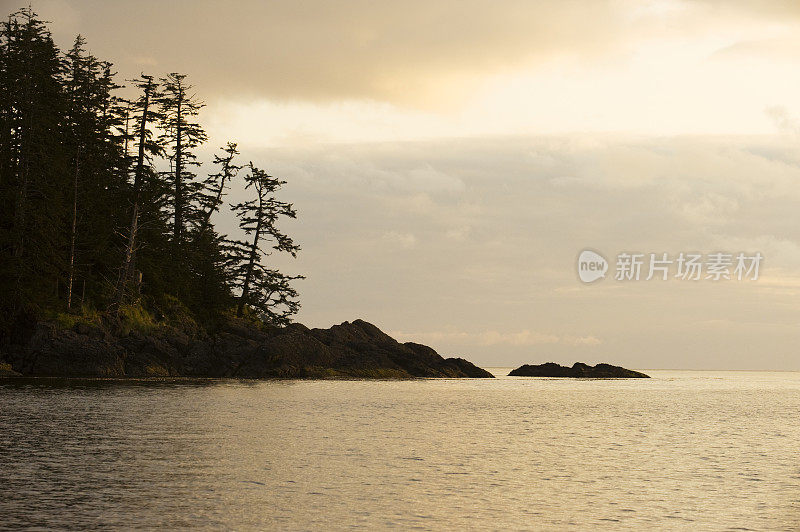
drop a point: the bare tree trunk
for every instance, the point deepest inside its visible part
(217, 201)
(207, 215)
(127, 118)
(253, 250)
(130, 248)
(74, 229)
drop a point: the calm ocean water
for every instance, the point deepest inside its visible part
(684, 450)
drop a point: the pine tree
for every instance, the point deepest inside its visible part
(266, 291)
(93, 121)
(147, 147)
(182, 134)
(77, 82)
(34, 187)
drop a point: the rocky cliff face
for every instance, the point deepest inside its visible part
(238, 349)
(579, 369)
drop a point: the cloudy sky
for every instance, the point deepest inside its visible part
(450, 160)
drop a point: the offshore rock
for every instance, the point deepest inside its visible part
(578, 370)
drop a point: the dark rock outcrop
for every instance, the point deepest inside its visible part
(578, 370)
(237, 349)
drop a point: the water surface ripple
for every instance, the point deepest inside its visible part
(683, 450)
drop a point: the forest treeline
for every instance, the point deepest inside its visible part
(104, 204)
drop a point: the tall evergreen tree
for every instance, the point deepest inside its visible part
(79, 69)
(34, 187)
(94, 139)
(266, 291)
(181, 133)
(147, 147)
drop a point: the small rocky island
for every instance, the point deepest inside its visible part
(237, 348)
(578, 370)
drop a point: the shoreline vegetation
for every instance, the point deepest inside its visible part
(107, 217)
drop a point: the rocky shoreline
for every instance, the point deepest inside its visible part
(578, 370)
(238, 349)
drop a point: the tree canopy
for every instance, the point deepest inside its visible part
(90, 218)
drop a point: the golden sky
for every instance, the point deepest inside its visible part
(281, 72)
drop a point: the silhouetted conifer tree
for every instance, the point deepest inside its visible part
(145, 188)
(267, 292)
(94, 139)
(32, 178)
(181, 134)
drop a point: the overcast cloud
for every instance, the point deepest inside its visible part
(478, 258)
